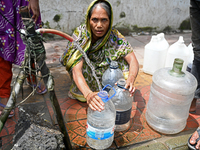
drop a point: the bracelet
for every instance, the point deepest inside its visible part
(132, 75)
(88, 94)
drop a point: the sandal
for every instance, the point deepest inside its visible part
(192, 146)
(34, 85)
(10, 115)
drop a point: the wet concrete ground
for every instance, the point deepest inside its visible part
(138, 136)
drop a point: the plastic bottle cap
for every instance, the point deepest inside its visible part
(161, 36)
(103, 95)
(114, 65)
(180, 40)
(121, 82)
(154, 38)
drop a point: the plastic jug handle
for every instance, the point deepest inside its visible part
(113, 89)
(122, 87)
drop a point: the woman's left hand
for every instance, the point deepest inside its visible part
(130, 85)
(133, 71)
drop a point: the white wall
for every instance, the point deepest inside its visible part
(143, 13)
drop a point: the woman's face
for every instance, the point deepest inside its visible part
(99, 22)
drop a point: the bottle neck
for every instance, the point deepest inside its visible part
(177, 68)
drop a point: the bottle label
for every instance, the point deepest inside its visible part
(99, 134)
(122, 117)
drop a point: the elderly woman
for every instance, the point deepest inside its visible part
(100, 41)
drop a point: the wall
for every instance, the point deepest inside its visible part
(65, 15)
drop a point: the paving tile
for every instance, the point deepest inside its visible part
(180, 141)
(81, 116)
(70, 117)
(83, 123)
(4, 132)
(155, 146)
(71, 134)
(76, 106)
(71, 111)
(192, 124)
(64, 105)
(121, 141)
(72, 125)
(130, 136)
(81, 131)
(79, 140)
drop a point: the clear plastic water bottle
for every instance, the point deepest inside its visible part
(123, 105)
(100, 125)
(172, 92)
(112, 75)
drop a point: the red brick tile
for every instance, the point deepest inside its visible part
(7, 140)
(141, 105)
(138, 99)
(83, 123)
(76, 106)
(82, 111)
(71, 111)
(118, 134)
(11, 130)
(70, 117)
(72, 125)
(130, 136)
(192, 124)
(134, 105)
(10, 122)
(79, 140)
(80, 131)
(137, 128)
(121, 141)
(65, 105)
(72, 101)
(71, 134)
(63, 112)
(81, 116)
(4, 132)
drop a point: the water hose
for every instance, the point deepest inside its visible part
(66, 36)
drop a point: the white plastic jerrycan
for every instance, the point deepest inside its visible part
(155, 54)
(177, 50)
(191, 57)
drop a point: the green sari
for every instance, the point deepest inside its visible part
(112, 46)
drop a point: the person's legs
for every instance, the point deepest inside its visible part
(195, 26)
(5, 81)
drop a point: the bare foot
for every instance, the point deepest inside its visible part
(193, 139)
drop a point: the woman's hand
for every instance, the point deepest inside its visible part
(94, 101)
(34, 6)
(130, 84)
(133, 71)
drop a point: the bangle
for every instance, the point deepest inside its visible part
(132, 75)
(88, 94)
